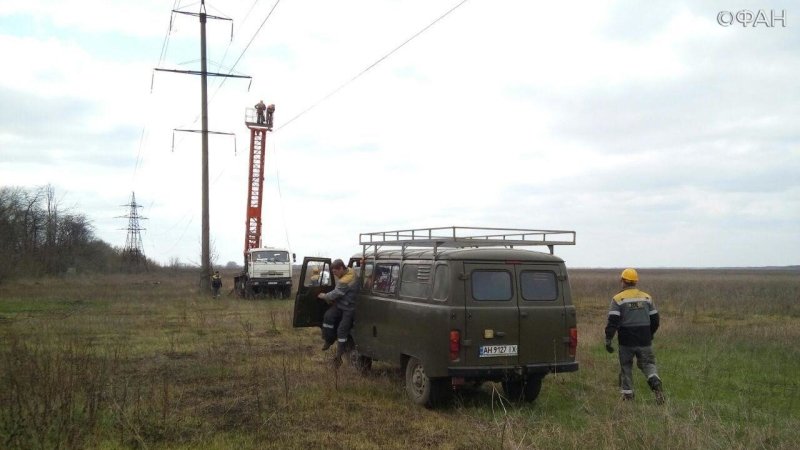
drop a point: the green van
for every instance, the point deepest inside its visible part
(455, 306)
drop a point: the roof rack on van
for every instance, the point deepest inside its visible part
(465, 237)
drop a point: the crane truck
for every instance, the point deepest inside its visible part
(267, 270)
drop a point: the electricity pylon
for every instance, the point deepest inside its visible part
(133, 258)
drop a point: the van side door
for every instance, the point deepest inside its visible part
(315, 277)
(492, 316)
(542, 315)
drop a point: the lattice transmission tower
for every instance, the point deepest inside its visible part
(133, 258)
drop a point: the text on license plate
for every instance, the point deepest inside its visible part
(488, 351)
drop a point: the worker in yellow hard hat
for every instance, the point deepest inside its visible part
(634, 318)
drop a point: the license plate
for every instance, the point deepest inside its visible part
(488, 351)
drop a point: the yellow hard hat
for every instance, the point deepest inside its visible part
(630, 275)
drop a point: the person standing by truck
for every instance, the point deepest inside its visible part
(216, 283)
(634, 318)
(338, 319)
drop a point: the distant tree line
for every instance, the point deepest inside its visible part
(38, 237)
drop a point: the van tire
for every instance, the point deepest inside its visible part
(523, 389)
(362, 364)
(421, 389)
(533, 387)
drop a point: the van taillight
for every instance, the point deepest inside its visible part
(455, 344)
(573, 341)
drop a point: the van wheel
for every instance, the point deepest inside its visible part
(513, 389)
(363, 364)
(532, 387)
(421, 389)
(523, 390)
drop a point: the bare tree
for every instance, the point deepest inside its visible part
(38, 237)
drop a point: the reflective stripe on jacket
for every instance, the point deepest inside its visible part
(634, 317)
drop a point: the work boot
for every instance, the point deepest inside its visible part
(340, 351)
(657, 388)
(660, 398)
(627, 397)
(326, 346)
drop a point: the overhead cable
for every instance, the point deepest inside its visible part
(372, 65)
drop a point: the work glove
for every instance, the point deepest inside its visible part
(609, 347)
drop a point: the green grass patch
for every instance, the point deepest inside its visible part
(117, 362)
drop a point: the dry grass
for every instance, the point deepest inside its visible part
(119, 362)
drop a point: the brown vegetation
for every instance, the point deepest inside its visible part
(116, 361)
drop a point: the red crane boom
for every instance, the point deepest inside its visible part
(255, 187)
(258, 124)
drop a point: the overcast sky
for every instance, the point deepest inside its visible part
(661, 137)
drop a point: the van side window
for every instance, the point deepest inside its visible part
(441, 282)
(416, 280)
(385, 278)
(538, 286)
(317, 274)
(491, 285)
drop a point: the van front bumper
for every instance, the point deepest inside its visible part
(503, 372)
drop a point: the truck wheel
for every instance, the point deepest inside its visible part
(421, 389)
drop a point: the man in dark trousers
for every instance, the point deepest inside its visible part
(634, 318)
(260, 108)
(270, 114)
(216, 283)
(343, 302)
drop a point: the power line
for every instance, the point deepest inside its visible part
(372, 65)
(213, 95)
(251, 40)
(246, 16)
(164, 47)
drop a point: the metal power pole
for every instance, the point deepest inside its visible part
(206, 234)
(206, 252)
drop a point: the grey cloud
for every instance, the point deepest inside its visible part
(739, 87)
(61, 137)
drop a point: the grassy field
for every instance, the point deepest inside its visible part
(148, 362)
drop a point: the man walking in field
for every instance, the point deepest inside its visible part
(343, 302)
(634, 318)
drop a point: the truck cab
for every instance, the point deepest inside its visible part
(455, 306)
(267, 272)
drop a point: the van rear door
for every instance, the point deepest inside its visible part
(543, 334)
(315, 277)
(492, 327)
